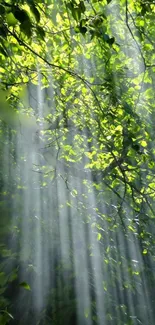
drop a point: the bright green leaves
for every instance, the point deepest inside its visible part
(95, 25)
(145, 251)
(99, 236)
(74, 192)
(10, 19)
(22, 16)
(82, 27)
(76, 8)
(25, 285)
(131, 228)
(35, 11)
(143, 143)
(95, 93)
(69, 153)
(26, 16)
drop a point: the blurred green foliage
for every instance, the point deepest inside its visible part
(94, 63)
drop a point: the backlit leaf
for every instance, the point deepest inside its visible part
(25, 285)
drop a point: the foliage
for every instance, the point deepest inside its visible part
(94, 63)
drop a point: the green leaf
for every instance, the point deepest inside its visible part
(11, 20)
(76, 10)
(70, 6)
(143, 143)
(40, 32)
(35, 12)
(82, 6)
(21, 15)
(111, 40)
(131, 228)
(25, 285)
(26, 28)
(99, 236)
(6, 312)
(76, 13)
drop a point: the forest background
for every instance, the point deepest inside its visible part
(77, 148)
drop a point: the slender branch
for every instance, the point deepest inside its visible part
(127, 24)
(72, 73)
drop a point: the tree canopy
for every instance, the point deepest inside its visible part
(77, 81)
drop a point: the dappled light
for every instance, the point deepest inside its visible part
(77, 189)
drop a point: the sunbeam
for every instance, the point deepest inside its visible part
(77, 165)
